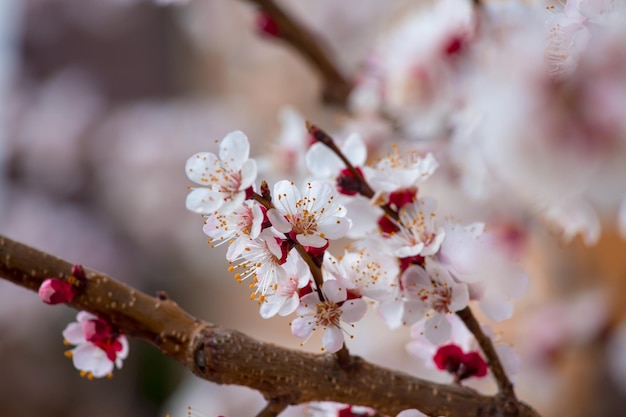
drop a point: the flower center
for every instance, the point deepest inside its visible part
(328, 314)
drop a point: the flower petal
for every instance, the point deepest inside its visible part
(332, 339)
(204, 201)
(353, 310)
(235, 149)
(437, 329)
(199, 165)
(302, 326)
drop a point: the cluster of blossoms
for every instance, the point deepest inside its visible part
(411, 265)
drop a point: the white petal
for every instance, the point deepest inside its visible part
(391, 312)
(314, 241)
(278, 221)
(437, 329)
(322, 162)
(290, 305)
(332, 339)
(355, 150)
(235, 149)
(122, 354)
(269, 309)
(73, 333)
(496, 308)
(302, 326)
(353, 310)
(335, 227)
(248, 174)
(285, 196)
(89, 358)
(460, 297)
(203, 200)
(199, 166)
(334, 291)
(413, 312)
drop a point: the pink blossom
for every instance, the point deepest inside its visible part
(98, 348)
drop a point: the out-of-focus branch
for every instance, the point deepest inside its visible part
(336, 86)
(283, 376)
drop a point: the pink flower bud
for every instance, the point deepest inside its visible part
(56, 291)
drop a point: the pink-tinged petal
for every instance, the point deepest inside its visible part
(290, 305)
(496, 308)
(460, 297)
(413, 312)
(232, 202)
(353, 310)
(308, 303)
(314, 241)
(334, 291)
(236, 248)
(257, 220)
(415, 277)
(73, 333)
(204, 201)
(392, 312)
(235, 149)
(322, 162)
(509, 358)
(302, 326)
(199, 165)
(332, 339)
(269, 309)
(408, 251)
(355, 150)
(248, 174)
(278, 221)
(335, 227)
(83, 317)
(437, 329)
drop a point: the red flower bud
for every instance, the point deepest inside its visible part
(56, 291)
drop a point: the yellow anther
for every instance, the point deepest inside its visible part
(89, 376)
(83, 373)
(252, 296)
(68, 354)
(66, 342)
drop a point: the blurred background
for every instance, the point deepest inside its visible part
(102, 102)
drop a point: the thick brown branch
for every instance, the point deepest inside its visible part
(225, 356)
(336, 88)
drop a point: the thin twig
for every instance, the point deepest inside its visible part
(336, 86)
(505, 387)
(274, 407)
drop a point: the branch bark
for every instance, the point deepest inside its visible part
(224, 356)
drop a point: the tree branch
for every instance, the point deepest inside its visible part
(283, 376)
(336, 86)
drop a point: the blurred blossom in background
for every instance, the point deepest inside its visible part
(102, 102)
